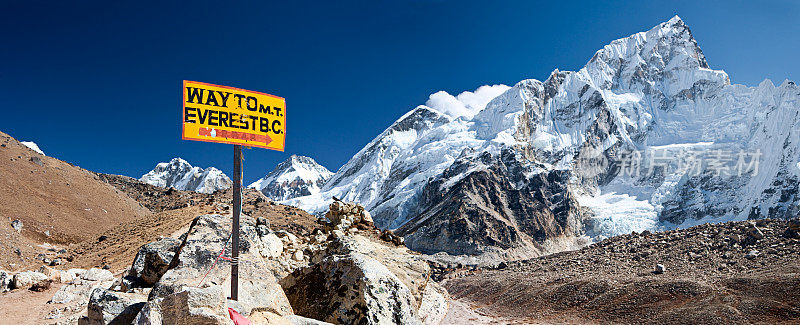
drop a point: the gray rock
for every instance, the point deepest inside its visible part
(751, 254)
(300, 320)
(206, 238)
(76, 273)
(351, 289)
(5, 281)
(660, 269)
(95, 274)
(79, 289)
(150, 314)
(261, 221)
(17, 225)
(413, 272)
(25, 280)
(110, 307)
(434, 305)
(150, 263)
(62, 296)
(272, 246)
(366, 217)
(194, 306)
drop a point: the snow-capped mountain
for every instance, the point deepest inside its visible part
(181, 175)
(646, 136)
(294, 177)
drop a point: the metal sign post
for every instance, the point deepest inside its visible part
(237, 209)
(222, 114)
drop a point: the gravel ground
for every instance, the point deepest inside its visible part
(714, 273)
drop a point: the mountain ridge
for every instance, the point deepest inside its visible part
(178, 173)
(653, 91)
(296, 176)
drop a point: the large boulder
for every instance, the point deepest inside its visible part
(150, 263)
(25, 280)
(191, 274)
(201, 306)
(341, 287)
(434, 305)
(413, 271)
(272, 246)
(80, 284)
(111, 307)
(351, 289)
(95, 274)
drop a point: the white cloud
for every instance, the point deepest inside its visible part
(466, 104)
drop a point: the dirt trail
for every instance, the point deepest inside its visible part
(22, 307)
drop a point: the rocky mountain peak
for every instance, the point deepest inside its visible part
(652, 90)
(178, 173)
(295, 177)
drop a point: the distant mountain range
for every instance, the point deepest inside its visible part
(178, 173)
(646, 136)
(297, 176)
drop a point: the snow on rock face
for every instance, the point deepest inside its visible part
(33, 146)
(651, 90)
(178, 173)
(295, 177)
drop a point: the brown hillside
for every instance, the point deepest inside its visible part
(173, 212)
(52, 197)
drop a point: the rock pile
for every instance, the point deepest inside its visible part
(359, 279)
(37, 280)
(72, 298)
(343, 216)
(346, 271)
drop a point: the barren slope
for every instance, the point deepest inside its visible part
(49, 195)
(709, 279)
(174, 211)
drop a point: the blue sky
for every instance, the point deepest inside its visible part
(99, 84)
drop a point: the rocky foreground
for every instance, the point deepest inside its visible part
(345, 272)
(729, 273)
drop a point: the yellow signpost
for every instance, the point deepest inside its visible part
(222, 114)
(215, 113)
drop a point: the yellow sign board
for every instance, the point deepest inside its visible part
(215, 113)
